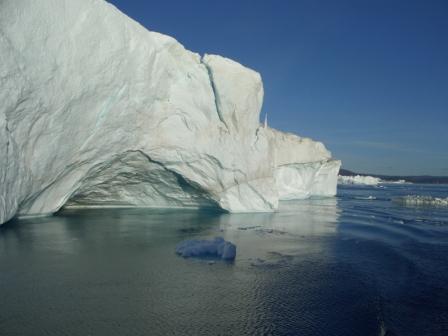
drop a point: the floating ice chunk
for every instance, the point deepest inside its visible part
(216, 248)
(367, 198)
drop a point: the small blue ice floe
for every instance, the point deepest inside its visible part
(215, 248)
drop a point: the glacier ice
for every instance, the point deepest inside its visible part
(216, 248)
(98, 111)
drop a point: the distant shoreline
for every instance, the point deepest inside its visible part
(425, 179)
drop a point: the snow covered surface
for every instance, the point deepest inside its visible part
(216, 248)
(98, 111)
(422, 200)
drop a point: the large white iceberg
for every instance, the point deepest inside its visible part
(98, 111)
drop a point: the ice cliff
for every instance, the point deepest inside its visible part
(97, 111)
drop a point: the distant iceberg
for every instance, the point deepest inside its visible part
(397, 182)
(215, 248)
(421, 200)
(366, 180)
(360, 180)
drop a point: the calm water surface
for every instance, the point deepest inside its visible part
(342, 266)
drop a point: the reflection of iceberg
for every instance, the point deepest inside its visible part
(304, 217)
(297, 225)
(421, 200)
(32, 232)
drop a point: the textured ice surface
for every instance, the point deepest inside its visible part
(302, 180)
(216, 248)
(98, 111)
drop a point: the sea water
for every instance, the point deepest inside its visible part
(357, 264)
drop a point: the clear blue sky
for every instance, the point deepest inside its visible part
(368, 78)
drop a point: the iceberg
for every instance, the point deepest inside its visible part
(216, 248)
(97, 111)
(367, 180)
(359, 180)
(397, 182)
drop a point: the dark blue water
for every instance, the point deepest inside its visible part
(342, 266)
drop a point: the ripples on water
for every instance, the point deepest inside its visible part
(358, 264)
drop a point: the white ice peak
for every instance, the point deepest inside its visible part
(98, 111)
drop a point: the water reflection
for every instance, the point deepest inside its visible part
(296, 228)
(312, 268)
(73, 230)
(116, 270)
